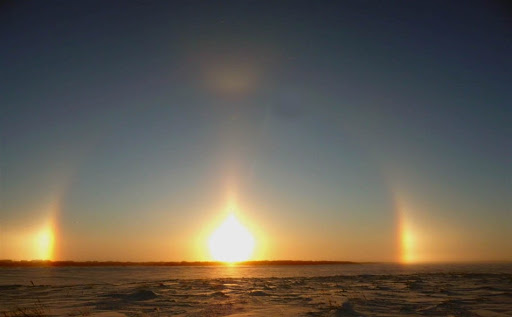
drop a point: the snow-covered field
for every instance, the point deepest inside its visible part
(364, 290)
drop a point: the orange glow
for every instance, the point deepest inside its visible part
(407, 234)
(231, 242)
(408, 245)
(44, 242)
(36, 243)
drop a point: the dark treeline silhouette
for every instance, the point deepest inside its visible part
(40, 263)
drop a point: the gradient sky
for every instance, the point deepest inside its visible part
(365, 131)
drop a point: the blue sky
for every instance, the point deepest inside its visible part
(335, 128)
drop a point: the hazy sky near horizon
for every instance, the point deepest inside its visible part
(365, 131)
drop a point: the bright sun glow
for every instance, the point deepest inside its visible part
(44, 244)
(231, 242)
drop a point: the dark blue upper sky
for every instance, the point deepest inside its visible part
(335, 124)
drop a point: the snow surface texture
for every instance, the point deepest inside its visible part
(421, 294)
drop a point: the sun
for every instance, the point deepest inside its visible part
(231, 242)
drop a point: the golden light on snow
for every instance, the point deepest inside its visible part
(231, 242)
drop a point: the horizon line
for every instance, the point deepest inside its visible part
(92, 263)
(40, 263)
